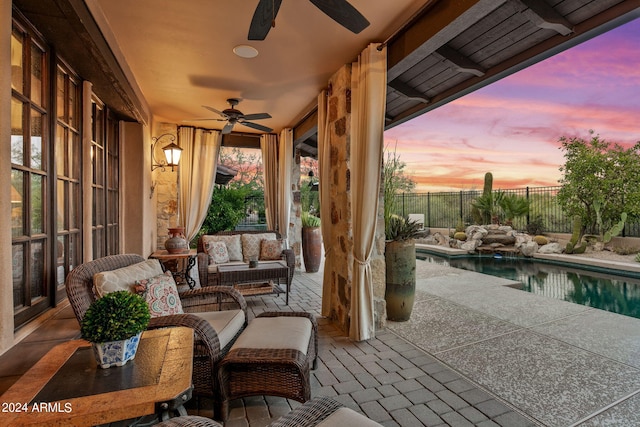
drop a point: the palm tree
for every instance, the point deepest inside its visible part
(513, 207)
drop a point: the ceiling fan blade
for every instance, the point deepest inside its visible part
(343, 13)
(201, 120)
(263, 18)
(216, 111)
(257, 116)
(256, 126)
(227, 128)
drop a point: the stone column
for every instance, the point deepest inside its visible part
(341, 239)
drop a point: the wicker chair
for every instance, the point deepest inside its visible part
(322, 410)
(210, 279)
(188, 421)
(207, 351)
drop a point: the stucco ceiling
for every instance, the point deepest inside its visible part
(180, 54)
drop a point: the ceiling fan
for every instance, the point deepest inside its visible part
(233, 116)
(264, 18)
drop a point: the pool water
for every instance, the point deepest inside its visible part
(603, 290)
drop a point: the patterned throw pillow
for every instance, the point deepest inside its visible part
(161, 295)
(125, 278)
(251, 244)
(234, 247)
(270, 250)
(217, 251)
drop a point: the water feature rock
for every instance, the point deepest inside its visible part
(550, 248)
(470, 245)
(498, 237)
(529, 248)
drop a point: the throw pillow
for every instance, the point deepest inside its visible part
(161, 294)
(125, 278)
(251, 244)
(217, 251)
(234, 247)
(270, 249)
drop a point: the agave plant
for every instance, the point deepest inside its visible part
(399, 228)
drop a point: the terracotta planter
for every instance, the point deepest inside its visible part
(311, 248)
(400, 259)
(176, 244)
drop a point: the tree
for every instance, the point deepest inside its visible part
(599, 174)
(248, 165)
(225, 211)
(394, 182)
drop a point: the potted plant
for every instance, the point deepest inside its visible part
(400, 260)
(311, 242)
(113, 324)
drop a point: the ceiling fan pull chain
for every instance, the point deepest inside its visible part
(273, 13)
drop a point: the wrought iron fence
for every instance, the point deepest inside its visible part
(445, 209)
(254, 218)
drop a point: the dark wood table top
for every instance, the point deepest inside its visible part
(66, 387)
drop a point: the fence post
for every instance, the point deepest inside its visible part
(429, 209)
(404, 214)
(528, 204)
(461, 216)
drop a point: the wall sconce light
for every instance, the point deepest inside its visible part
(172, 152)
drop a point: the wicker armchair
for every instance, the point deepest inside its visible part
(207, 351)
(208, 278)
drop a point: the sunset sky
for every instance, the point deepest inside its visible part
(511, 128)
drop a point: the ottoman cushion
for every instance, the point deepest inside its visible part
(276, 333)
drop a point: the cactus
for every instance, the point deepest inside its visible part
(541, 240)
(615, 230)
(574, 246)
(460, 235)
(488, 184)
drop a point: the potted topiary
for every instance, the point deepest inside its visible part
(113, 324)
(400, 260)
(311, 242)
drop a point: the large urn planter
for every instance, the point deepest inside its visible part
(400, 259)
(311, 248)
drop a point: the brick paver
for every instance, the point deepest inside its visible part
(386, 378)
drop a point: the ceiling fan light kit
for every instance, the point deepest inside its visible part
(245, 51)
(234, 116)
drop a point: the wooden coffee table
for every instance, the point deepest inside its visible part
(242, 274)
(66, 387)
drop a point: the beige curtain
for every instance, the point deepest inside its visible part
(324, 170)
(196, 176)
(368, 94)
(285, 160)
(269, 147)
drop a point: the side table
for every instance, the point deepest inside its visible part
(180, 265)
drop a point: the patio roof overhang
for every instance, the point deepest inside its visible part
(437, 51)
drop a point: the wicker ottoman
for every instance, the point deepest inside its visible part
(271, 357)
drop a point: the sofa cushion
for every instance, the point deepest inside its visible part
(271, 249)
(125, 278)
(234, 246)
(251, 244)
(217, 251)
(286, 332)
(226, 323)
(161, 294)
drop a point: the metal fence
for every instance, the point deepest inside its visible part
(445, 209)
(254, 214)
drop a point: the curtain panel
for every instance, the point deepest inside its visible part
(368, 94)
(285, 160)
(196, 176)
(269, 147)
(324, 169)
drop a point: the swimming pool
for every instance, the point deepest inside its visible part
(598, 289)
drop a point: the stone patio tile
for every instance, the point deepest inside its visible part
(392, 403)
(375, 411)
(454, 419)
(366, 395)
(426, 415)
(348, 387)
(405, 418)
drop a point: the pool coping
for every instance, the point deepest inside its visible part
(561, 258)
